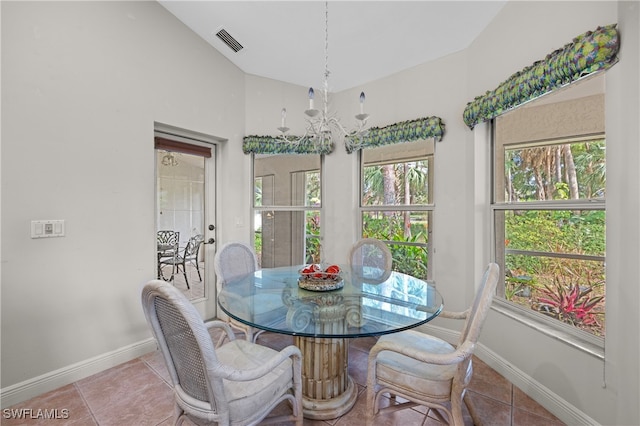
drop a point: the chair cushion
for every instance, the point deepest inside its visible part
(247, 398)
(415, 377)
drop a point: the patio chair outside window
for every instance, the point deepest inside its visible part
(167, 241)
(190, 254)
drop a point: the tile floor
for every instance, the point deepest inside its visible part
(196, 285)
(138, 393)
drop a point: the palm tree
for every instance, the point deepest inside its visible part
(385, 184)
(534, 159)
(590, 166)
(570, 170)
(389, 184)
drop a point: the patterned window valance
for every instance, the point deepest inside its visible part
(405, 131)
(272, 145)
(589, 52)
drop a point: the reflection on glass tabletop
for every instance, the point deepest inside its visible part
(272, 299)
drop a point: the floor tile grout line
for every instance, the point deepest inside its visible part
(157, 373)
(512, 403)
(85, 402)
(484, 395)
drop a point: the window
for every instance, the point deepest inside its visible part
(287, 202)
(549, 207)
(396, 202)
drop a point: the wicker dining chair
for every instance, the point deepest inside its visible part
(426, 370)
(370, 260)
(238, 383)
(232, 261)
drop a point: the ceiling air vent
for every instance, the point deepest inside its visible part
(229, 40)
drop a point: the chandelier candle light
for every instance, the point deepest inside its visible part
(169, 159)
(322, 127)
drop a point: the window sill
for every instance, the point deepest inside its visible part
(579, 339)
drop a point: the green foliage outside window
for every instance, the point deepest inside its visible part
(312, 240)
(551, 231)
(555, 172)
(396, 184)
(562, 275)
(407, 258)
(399, 184)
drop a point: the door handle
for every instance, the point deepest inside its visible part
(211, 240)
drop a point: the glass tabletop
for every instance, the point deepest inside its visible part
(271, 299)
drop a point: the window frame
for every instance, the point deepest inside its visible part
(428, 208)
(291, 208)
(573, 336)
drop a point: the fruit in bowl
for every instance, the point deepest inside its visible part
(315, 271)
(333, 271)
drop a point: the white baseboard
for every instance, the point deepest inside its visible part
(556, 405)
(28, 389)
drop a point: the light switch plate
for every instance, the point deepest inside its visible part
(47, 228)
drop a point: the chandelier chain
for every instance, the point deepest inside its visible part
(323, 128)
(326, 57)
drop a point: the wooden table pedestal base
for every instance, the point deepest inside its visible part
(327, 390)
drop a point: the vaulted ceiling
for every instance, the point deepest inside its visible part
(367, 40)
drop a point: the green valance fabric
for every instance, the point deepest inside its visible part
(405, 131)
(272, 145)
(589, 52)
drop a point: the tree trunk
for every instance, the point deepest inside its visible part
(509, 186)
(407, 201)
(389, 184)
(548, 165)
(558, 169)
(539, 184)
(572, 179)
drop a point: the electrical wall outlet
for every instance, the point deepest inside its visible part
(47, 228)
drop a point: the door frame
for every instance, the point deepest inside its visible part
(207, 305)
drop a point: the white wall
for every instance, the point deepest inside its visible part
(82, 84)
(623, 224)
(605, 393)
(63, 116)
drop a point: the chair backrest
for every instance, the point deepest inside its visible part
(481, 304)
(234, 260)
(370, 259)
(193, 247)
(169, 238)
(185, 343)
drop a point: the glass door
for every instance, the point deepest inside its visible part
(185, 215)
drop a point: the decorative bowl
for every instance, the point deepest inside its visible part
(315, 284)
(316, 272)
(313, 277)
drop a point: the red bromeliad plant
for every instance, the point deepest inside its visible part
(570, 304)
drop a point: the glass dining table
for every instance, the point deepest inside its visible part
(322, 322)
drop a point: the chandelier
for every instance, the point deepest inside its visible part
(169, 159)
(322, 127)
